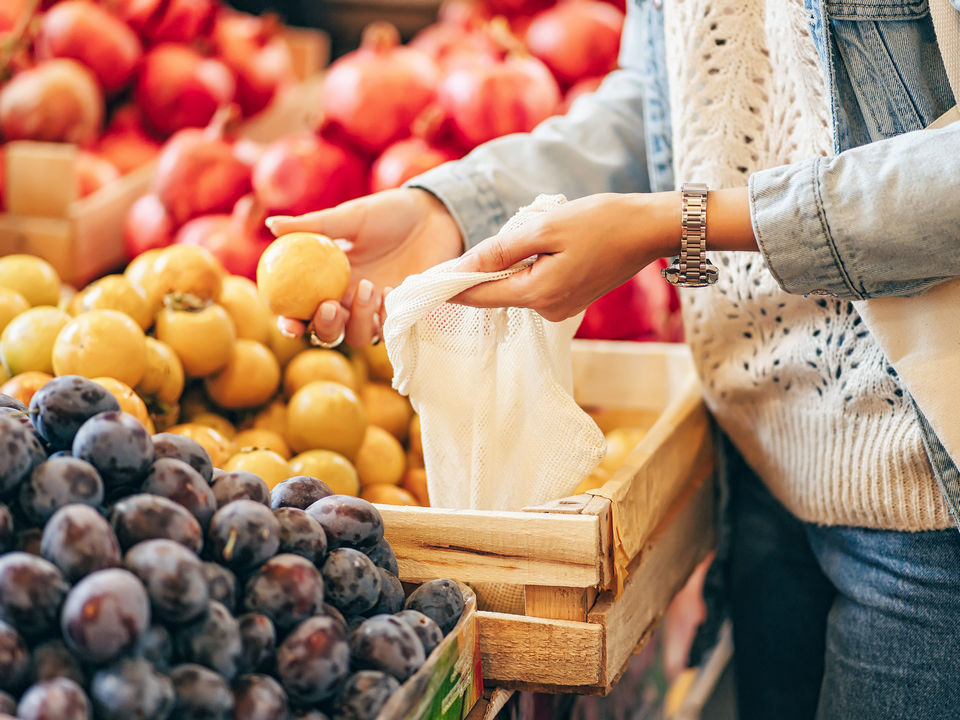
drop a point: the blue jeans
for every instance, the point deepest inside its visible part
(841, 623)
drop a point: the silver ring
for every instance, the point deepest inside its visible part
(317, 342)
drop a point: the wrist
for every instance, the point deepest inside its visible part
(657, 217)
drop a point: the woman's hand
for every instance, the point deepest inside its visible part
(387, 236)
(587, 247)
(584, 249)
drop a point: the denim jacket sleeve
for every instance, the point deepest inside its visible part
(873, 221)
(596, 147)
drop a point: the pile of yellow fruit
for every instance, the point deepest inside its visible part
(189, 349)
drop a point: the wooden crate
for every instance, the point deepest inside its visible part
(451, 681)
(83, 238)
(598, 570)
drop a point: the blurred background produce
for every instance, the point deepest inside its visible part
(161, 100)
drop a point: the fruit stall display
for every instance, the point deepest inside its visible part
(386, 112)
(137, 579)
(91, 92)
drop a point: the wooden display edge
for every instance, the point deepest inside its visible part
(588, 658)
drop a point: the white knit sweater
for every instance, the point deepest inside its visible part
(798, 383)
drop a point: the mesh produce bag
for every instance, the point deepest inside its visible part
(499, 424)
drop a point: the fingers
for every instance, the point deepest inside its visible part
(291, 328)
(509, 292)
(342, 221)
(364, 322)
(503, 251)
(329, 321)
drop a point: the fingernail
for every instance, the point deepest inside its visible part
(327, 312)
(272, 221)
(387, 290)
(464, 260)
(364, 291)
(283, 331)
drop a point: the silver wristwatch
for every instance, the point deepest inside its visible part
(691, 268)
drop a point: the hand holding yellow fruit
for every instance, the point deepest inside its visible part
(299, 271)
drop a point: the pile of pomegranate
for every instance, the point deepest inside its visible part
(119, 77)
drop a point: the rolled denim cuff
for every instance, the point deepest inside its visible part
(471, 199)
(793, 231)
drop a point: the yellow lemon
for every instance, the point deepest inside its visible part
(268, 465)
(300, 270)
(265, 439)
(387, 494)
(242, 302)
(217, 446)
(24, 385)
(115, 292)
(28, 340)
(326, 415)
(250, 377)
(620, 443)
(387, 408)
(415, 482)
(272, 417)
(380, 458)
(130, 402)
(330, 467)
(191, 274)
(283, 347)
(12, 304)
(202, 339)
(101, 343)
(32, 277)
(317, 364)
(217, 422)
(163, 376)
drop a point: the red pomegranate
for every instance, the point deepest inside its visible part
(58, 100)
(300, 173)
(148, 225)
(81, 30)
(126, 142)
(576, 38)
(640, 309)
(160, 21)
(373, 93)
(405, 159)
(579, 88)
(257, 55)
(487, 98)
(179, 88)
(93, 172)
(198, 173)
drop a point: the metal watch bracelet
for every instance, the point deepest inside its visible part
(691, 268)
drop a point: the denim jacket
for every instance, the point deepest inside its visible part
(879, 218)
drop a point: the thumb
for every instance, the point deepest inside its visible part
(342, 221)
(500, 252)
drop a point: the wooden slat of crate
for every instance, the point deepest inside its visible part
(486, 546)
(545, 655)
(547, 652)
(683, 538)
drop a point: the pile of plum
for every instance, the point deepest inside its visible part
(138, 582)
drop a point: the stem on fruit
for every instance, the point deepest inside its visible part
(231, 544)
